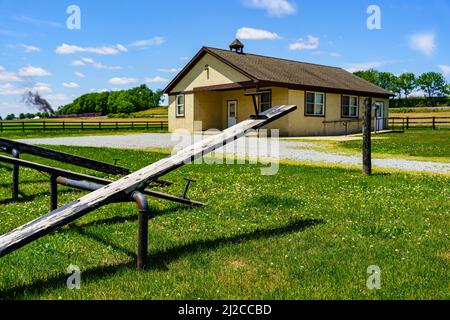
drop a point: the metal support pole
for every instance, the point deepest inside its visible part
(143, 217)
(186, 189)
(15, 176)
(53, 193)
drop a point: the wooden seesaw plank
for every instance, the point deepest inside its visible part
(126, 186)
(8, 145)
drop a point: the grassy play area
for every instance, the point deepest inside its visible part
(309, 232)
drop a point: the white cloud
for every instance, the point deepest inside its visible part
(423, 42)
(70, 85)
(362, 66)
(30, 71)
(79, 74)
(331, 54)
(273, 7)
(98, 90)
(335, 54)
(122, 48)
(88, 61)
(7, 76)
(155, 41)
(256, 34)
(105, 50)
(40, 87)
(58, 97)
(38, 22)
(27, 48)
(9, 89)
(445, 69)
(170, 70)
(122, 81)
(156, 80)
(310, 44)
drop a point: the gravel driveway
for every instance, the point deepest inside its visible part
(288, 150)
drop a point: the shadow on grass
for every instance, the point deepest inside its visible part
(131, 217)
(27, 198)
(158, 260)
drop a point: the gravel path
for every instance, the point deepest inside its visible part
(288, 150)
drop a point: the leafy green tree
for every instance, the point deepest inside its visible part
(370, 75)
(389, 81)
(11, 116)
(407, 83)
(124, 106)
(128, 101)
(433, 84)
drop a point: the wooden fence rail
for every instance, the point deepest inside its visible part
(81, 125)
(423, 122)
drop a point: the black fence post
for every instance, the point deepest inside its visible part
(15, 176)
(367, 139)
(434, 123)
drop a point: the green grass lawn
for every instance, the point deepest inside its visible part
(74, 133)
(309, 232)
(414, 143)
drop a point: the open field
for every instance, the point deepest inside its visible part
(413, 144)
(420, 114)
(160, 111)
(13, 128)
(73, 133)
(309, 232)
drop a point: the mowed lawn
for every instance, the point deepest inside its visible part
(307, 233)
(414, 143)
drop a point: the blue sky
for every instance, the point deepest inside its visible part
(125, 43)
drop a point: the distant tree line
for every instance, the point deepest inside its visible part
(113, 102)
(24, 116)
(433, 84)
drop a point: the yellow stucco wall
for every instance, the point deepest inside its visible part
(186, 122)
(219, 73)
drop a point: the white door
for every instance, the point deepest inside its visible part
(380, 116)
(232, 113)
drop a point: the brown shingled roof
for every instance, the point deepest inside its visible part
(268, 71)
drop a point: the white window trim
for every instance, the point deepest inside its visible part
(315, 104)
(177, 106)
(350, 106)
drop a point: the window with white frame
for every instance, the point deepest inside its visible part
(350, 106)
(180, 106)
(315, 104)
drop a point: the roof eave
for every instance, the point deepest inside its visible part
(194, 60)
